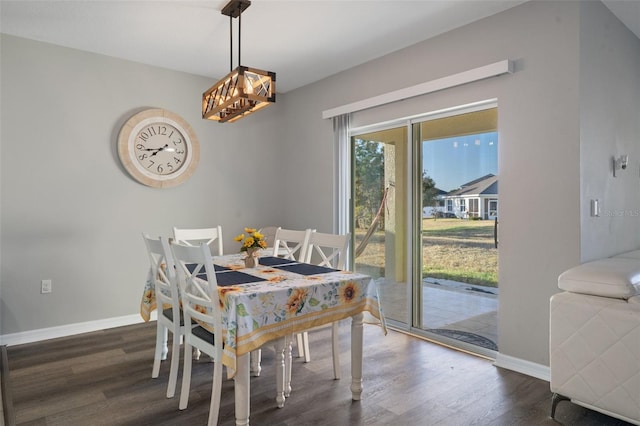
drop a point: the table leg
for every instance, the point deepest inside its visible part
(356, 356)
(242, 390)
(287, 368)
(280, 370)
(256, 358)
(165, 340)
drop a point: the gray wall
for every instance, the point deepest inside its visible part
(609, 126)
(70, 212)
(50, 213)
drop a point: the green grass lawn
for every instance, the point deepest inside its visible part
(452, 249)
(460, 250)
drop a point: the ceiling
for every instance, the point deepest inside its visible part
(301, 40)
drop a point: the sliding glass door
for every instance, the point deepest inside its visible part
(459, 262)
(425, 218)
(380, 211)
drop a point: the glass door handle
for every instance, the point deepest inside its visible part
(495, 232)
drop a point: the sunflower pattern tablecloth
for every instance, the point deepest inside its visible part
(280, 298)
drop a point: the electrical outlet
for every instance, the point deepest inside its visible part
(45, 286)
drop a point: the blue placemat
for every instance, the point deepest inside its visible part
(217, 268)
(226, 278)
(235, 277)
(272, 261)
(306, 269)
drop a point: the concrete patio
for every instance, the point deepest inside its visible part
(447, 307)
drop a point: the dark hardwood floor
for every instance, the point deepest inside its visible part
(104, 378)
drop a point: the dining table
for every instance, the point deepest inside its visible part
(275, 299)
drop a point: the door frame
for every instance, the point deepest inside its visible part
(414, 212)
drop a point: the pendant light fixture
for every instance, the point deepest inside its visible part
(242, 91)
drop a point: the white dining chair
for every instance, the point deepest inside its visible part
(198, 295)
(170, 317)
(194, 237)
(212, 237)
(291, 244)
(329, 250)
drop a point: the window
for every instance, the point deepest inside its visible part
(474, 207)
(493, 208)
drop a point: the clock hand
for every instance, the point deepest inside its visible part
(164, 148)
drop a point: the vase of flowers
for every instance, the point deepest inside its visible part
(251, 244)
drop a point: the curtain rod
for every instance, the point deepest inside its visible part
(475, 74)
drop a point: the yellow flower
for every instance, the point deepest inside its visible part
(254, 239)
(348, 292)
(296, 301)
(223, 294)
(276, 279)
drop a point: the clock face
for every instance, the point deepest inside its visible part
(158, 148)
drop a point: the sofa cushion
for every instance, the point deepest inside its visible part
(613, 277)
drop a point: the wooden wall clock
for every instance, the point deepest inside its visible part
(158, 148)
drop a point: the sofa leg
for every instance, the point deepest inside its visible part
(555, 399)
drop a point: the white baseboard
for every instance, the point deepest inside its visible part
(529, 368)
(70, 329)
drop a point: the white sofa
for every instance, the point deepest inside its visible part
(595, 337)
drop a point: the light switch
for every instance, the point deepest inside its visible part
(595, 208)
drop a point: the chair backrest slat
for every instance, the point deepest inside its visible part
(330, 249)
(162, 273)
(212, 237)
(198, 287)
(291, 244)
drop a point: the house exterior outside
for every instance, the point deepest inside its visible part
(437, 209)
(475, 199)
